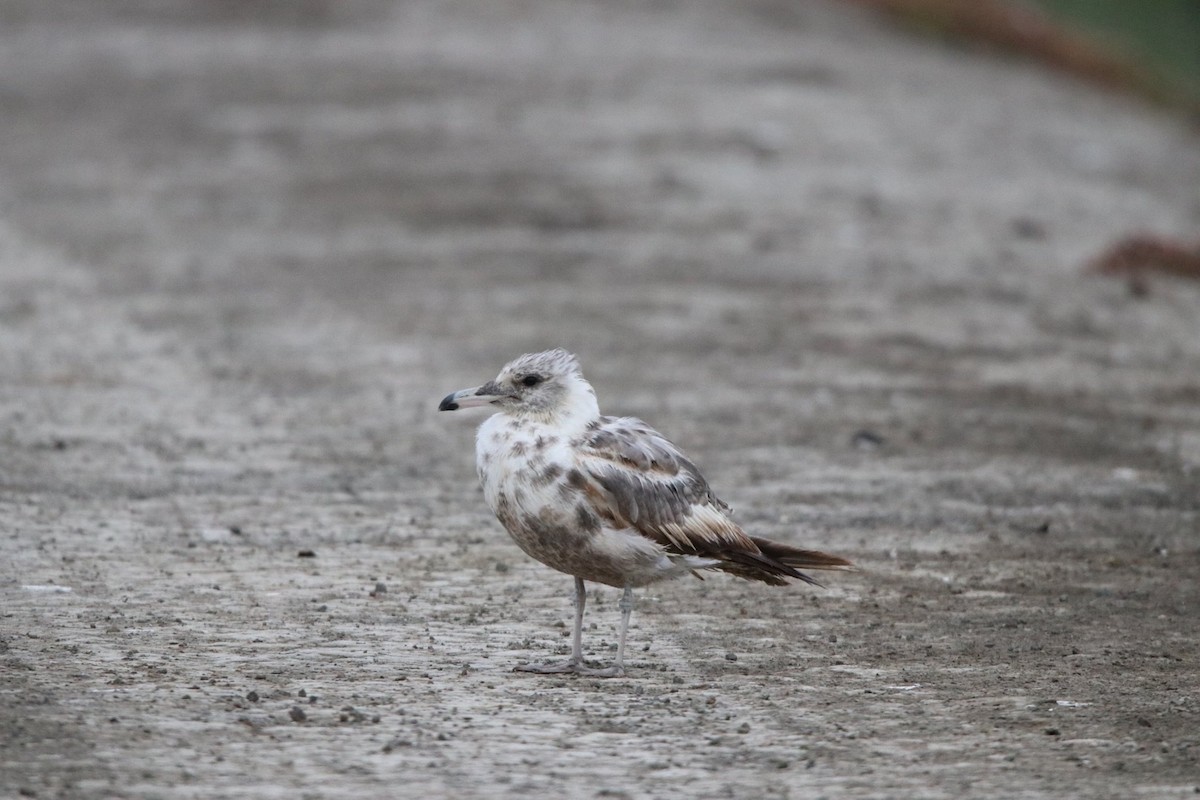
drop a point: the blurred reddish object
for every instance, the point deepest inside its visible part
(1135, 256)
(1020, 28)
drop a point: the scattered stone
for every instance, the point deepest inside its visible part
(351, 714)
(297, 714)
(252, 696)
(1028, 228)
(866, 440)
(744, 727)
(307, 554)
(731, 656)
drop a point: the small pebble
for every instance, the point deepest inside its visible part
(380, 587)
(866, 440)
(252, 696)
(1028, 228)
(297, 714)
(744, 728)
(731, 656)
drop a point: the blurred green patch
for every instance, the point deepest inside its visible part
(1161, 35)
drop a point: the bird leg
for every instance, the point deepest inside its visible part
(575, 662)
(617, 670)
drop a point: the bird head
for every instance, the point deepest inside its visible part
(548, 385)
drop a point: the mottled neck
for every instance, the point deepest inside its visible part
(574, 413)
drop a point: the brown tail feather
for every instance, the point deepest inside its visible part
(776, 562)
(803, 559)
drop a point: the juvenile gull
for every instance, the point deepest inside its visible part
(605, 499)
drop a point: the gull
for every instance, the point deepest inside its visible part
(605, 499)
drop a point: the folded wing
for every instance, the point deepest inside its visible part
(636, 479)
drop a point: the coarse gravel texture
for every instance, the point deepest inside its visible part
(245, 248)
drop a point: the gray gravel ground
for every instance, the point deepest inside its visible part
(245, 248)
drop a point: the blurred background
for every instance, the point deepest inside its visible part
(1147, 47)
(1163, 34)
(792, 186)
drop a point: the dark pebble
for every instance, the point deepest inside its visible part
(866, 440)
(731, 656)
(297, 714)
(307, 554)
(1027, 228)
(252, 696)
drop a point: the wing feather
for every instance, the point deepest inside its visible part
(636, 478)
(648, 484)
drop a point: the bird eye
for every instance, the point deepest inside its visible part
(531, 380)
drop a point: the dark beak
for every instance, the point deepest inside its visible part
(467, 398)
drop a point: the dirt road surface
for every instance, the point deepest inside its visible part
(245, 248)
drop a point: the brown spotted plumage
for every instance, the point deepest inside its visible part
(606, 499)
